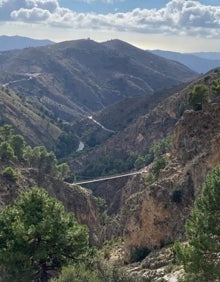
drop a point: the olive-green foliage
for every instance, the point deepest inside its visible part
(10, 174)
(63, 171)
(45, 163)
(150, 178)
(13, 147)
(216, 87)
(198, 96)
(156, 151)
(6, 152)
(200, 256)
(161, 147)
(99, 273)
(158, 166)
(102, 208)
(41, 159)
(6, 132)
(18, 144)
(107, 166)
(141, 161)
(78, 273)
(67, 144)
(38, 235)
(100, 166)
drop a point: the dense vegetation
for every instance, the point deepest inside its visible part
(14, 151)
(100, 166)
(38, 236)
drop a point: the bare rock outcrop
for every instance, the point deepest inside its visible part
(154, 214)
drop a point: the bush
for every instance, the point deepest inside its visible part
(198, 96)
(10, 174)
(158, 166)
(77, 273)
(99, 273)
(6, 152)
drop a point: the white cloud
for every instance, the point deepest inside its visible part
(32, 15)
(177, 17)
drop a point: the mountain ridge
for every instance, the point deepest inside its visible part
(19, 42)
(73, 79)
(200, 62)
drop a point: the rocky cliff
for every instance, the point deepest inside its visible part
(154, 214)
(150, 213)
(76, 199)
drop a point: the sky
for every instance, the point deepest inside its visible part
(175, 25)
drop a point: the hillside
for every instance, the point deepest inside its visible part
(157, 133)
(27, 119)
(23, 167)
(141, 135)
(70, 80)
(149, 210)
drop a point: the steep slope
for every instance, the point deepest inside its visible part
(154, 214)
(147, 130)
(159, 66)
(36, 167)
(27, 120)
(72, 79)
(149, 210)
(118, 116)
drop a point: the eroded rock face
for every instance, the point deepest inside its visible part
(81, 202)
(154, 215)
(198, 133)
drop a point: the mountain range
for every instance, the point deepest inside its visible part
(19, 42)
(200, 62)
(69, 81)
(130, 110)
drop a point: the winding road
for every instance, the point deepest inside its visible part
(100, 125)
(30, 76)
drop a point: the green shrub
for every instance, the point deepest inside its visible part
(10, 174)
(78, 273)
(150, 178)
(6, 152)
(158, 166)
(198, 96)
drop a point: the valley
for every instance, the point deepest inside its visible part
(112, 132)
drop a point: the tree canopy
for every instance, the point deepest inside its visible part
(198, 96)
(37, 235)
(201, 255)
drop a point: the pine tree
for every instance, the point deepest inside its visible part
(37, 235)
(201, 254)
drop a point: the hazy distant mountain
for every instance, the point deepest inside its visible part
(19, 42)
(208, 55)
(199, 62)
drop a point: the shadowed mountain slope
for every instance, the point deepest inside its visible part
(72, 79)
